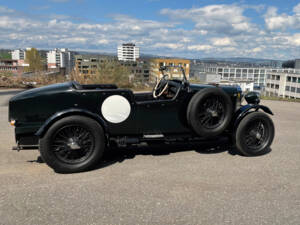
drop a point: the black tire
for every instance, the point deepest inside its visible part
(73, 144)
(209, 112)
(254, 134)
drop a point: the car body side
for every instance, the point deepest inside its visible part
(37, 109)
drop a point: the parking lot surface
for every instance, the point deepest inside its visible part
(161, 185)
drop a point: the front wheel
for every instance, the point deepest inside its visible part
(255, 134)
(73, 144)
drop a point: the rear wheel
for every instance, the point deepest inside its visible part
(73, 144)
(209, 112)
(255, 134)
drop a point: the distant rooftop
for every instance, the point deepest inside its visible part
(129, 44)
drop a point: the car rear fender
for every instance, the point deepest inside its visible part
(246, 109)
(70, 112)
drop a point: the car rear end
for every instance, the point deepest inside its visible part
(29, 110)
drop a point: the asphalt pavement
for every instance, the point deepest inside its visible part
(184, 184)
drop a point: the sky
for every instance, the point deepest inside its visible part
(267, 29)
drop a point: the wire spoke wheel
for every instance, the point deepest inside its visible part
(72, 144)
(211, 112)
(256, 135)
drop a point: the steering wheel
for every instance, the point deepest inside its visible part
(161, 86)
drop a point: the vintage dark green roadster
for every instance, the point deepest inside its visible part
(72, 124)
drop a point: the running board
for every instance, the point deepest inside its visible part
(153, 136)
(24, 147)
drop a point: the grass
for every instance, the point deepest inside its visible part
(274, 98)
(8, 80)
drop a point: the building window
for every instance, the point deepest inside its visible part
(272, 85)
(273, 77)
(294, 79)
(293, 89)
(268, 85)
(277, 77)
(287, 88)
(298, 90)
(276, 86)
(288, 79)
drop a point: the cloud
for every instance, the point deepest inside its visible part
(222, 41)
(294, 39)
(209, 31)
(168, 45)
(225, 19)
(275, 21)
(199, 47)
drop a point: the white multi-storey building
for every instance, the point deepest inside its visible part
(18, 54)
(128, 52)
(283, 83)
(60, 58)
(256, 75)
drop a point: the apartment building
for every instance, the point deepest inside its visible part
(20, 56)
(10, 66)
(256, 75)
(90, 64)
(140, 70)
(156, 63)
(60, 58)
(128, 52)
(283, 83)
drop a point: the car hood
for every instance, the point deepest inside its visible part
(227, 88)
(45, 90)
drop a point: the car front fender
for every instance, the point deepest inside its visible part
(246, 109)
(70, 112)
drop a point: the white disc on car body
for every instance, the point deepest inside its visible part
(115, 109)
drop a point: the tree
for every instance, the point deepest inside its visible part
(112, 72)
(288, 64)
(34, 60)
(5, 55)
